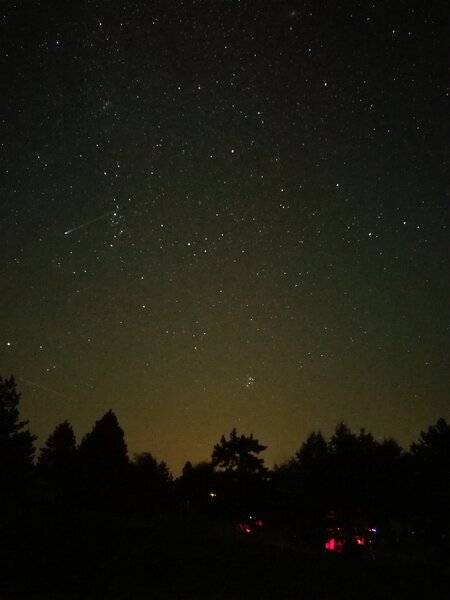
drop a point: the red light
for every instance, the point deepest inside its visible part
(330, 545)
(244, 527)
(260, 523)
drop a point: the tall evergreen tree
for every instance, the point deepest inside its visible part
(59, 448)
(430, 457)
(57, 459)
(433, 445)
(312, 465)
(104, 447)
(16, 442)
(314, 451)
(103, 458)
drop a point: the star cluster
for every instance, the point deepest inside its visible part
(225, 213)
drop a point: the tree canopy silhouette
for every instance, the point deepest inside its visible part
(16, 442)
(105, 445)
(314, 450)
(103, 457)
(239, 454)
(431, 474)
(57, 458)
(151, 478)
(434, 444)
(351, 472)
(148, 467)
(59, 448)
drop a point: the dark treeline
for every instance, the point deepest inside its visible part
(354, 477)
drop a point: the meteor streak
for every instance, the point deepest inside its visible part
(40, 387)
(111, 212)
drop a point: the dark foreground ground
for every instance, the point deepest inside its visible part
(88, 556)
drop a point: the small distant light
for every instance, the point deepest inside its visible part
(8, 344)
(245, 528)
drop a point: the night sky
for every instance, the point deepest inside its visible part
(224, 213)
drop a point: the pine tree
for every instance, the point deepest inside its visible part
(103, 458)
(57, 459)
(16, 442)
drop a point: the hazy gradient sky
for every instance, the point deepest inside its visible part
(224, 213)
